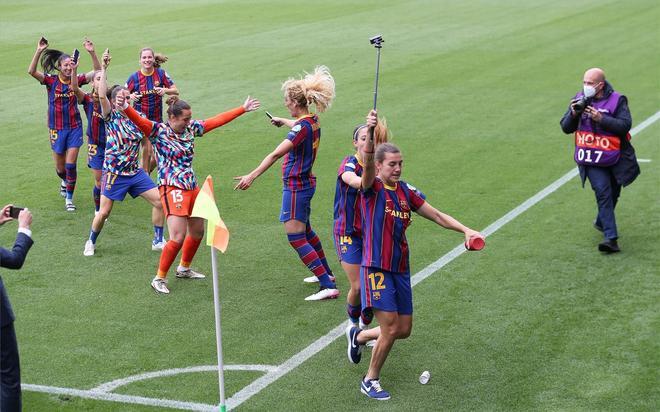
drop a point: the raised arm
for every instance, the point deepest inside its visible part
(281, 121)
(369, 172)
(89, 46)
(218, 120)
(106, 106)
(244, 182)
(32, 69)
(80, 95)
(446, 221)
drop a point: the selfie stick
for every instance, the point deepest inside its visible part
(377, 42)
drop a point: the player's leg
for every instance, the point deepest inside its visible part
(190, 246)
(74, 140)
(97, 224)
(143, 186)
(314, 240)
(96, 190)
(147, 155)
(177, 226)
(59, 151)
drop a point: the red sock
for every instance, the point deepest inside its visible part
(167, 256)
(190, 245)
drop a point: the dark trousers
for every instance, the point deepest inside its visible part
(10, 371)
(607, 191)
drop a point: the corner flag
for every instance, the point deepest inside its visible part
(217, 234)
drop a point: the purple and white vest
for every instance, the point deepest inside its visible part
(593, 145)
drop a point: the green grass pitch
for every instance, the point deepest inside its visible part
(473, 92)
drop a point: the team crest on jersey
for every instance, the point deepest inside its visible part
(404, 204)
(375, 295)
(178, 206)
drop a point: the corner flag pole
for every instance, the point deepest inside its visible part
(217, 236)
(218, 329)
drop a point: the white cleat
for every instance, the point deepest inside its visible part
(324, 293)
(160, 285)
(70, 207)
(311, 279)
(89, 248)
(158, 245)
(189, 274)
(63, 188)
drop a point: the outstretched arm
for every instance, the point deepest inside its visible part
(32, 69)
(446, 221)
(89, 46)
(244, 182)
(226, 117)
(369, 172)
(145, 125)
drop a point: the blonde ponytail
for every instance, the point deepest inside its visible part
(317, 88)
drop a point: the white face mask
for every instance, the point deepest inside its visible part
(589, 91)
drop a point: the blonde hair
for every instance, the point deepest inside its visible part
(317, 88)
(159, 58)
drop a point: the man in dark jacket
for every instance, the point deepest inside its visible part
(10, 374)
(600, 119)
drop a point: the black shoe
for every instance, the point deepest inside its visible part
(609, 246)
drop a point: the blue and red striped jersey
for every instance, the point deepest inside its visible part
(297, 164)
(386, 214)
(347, 199)
(95, 123)
(62, 105)
(150, 103)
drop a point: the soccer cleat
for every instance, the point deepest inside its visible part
(63, 189)
(160, 285)
(370, 343)
(324, 293)
(371, 388)
(354, 349)
(70, 207)
(189, 274)
(157, 245)
(89, 248)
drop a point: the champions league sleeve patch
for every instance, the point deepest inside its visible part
(296, 128)
(350, 165)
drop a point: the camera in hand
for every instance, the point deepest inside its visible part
(581, 104)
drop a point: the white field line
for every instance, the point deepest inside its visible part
(272, 375)
(111, 386)
(644, 160)
(293, 362)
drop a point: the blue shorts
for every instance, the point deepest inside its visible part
(349, 248)
(65, 139)
(95, 156)
(297, 205)
(386, 291)
(115, 187)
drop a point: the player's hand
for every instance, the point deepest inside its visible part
(159, 90)
(372, 119)
(251, 104)
(594, 114)
(134, 96)
(469, 233)
(244, 182)
(42, 44)
(88, 45)
(106, 58)
(122, 102)
(24, 219)
(4, 215)
(277, 121)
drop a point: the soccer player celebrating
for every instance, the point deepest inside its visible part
(95, 130)
(386, 207)
(346, 228)
(147, 87)
(175, 144)
(64, 123)
(121, 170)
(299, 151)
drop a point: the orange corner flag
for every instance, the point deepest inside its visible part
(205, 207)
